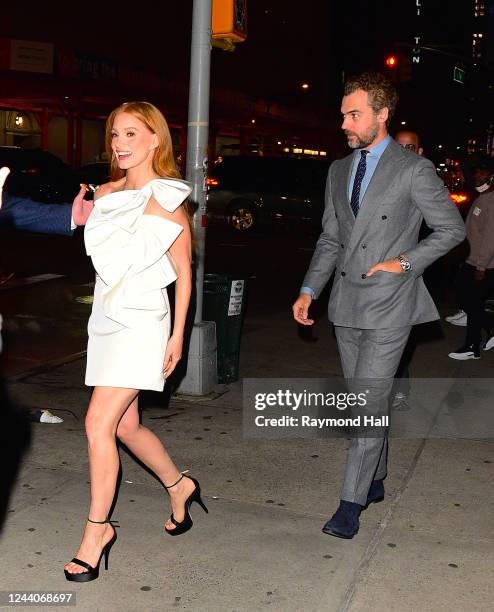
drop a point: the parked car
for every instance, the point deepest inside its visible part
(39, 175)
(455, 176)
(251, 192)
(96, 173)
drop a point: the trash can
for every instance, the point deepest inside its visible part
(223, 303)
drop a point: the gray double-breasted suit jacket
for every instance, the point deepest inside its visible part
(403, 190)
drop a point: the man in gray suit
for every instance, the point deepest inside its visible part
(375, 201)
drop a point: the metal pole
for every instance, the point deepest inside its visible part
(201, 376)
(198, 131)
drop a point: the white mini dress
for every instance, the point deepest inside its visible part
(129, 324)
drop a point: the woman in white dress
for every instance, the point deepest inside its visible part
(139, 239)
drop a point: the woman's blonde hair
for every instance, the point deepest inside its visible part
(163, 159)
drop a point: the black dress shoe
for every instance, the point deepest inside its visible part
(345, 522)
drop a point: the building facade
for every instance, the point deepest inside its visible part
(59, 99)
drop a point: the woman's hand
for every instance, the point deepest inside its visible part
(173, 354)
(81, 208)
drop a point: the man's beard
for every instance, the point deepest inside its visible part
(365, 139)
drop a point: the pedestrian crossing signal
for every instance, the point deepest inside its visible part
(229, 19)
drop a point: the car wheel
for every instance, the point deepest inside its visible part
(241, 216)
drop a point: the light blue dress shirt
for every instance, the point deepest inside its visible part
(372, 159)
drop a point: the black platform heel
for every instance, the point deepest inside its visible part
(195, 496)
(93, 572)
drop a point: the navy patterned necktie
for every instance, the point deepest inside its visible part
(357, 183)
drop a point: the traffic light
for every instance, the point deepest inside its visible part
(391, 62)
(229, 19)
(400, 67)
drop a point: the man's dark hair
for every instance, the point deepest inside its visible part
(382, 93)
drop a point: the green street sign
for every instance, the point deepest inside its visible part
(459, 75)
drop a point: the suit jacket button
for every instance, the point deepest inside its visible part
(384, 217)
(364, 275)
(343, 274)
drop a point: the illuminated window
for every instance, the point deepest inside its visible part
(477, 43)
(479, 8)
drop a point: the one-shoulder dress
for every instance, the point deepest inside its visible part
(129, 324)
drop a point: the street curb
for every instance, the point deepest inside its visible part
(45, 367)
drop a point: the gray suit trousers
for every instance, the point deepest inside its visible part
(372, 354)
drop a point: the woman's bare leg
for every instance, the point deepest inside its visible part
(106, 408)
(147, 447)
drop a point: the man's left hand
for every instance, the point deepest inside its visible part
(390, 265)
(81, 208)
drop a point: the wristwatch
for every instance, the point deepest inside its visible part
(406, 266)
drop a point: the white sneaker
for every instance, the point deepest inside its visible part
(465, 352)
(48, 417)
(459, 318)
(489, 344)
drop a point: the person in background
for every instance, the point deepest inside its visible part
(476, 277)
(409, 140)
(28, 215)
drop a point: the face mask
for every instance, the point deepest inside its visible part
(485, 186)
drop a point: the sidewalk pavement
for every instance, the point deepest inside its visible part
(428, 546)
